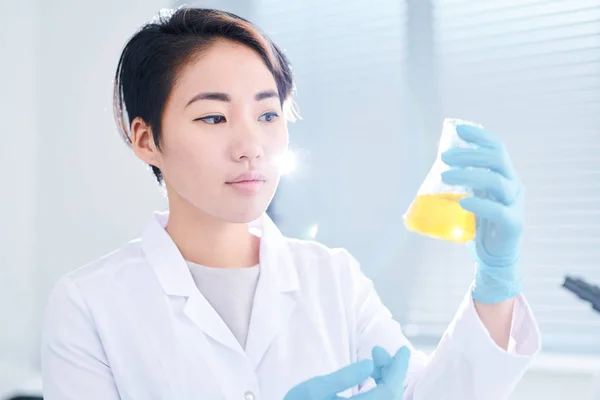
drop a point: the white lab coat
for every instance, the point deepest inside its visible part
(133, 325)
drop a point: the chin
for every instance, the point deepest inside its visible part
(244, 216)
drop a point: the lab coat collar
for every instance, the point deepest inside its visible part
(275, 297)
(174, 275)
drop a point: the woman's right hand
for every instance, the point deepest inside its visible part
(327, 387)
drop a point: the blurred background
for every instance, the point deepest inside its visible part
(374, 81)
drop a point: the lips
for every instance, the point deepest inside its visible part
(248, 183)
(250, 176)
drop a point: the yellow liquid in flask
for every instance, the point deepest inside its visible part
(441, 216)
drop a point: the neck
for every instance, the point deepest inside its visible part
(206, 240)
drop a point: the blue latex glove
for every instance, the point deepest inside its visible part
(498, 205)
(389, 375)
(387, 371)
(326, 387)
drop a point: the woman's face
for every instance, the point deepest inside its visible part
(223, 135)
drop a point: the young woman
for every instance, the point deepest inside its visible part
(214, 303)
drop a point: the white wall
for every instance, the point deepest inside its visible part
(71, 191)
(18, 165)
(243, 8)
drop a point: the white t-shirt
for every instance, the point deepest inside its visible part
(231, 293)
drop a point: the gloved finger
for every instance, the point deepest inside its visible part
(478, 136)
(327, 386)
(392, 386)
(381, 360)
(380, 356)
(397, 373)
(488, 209)
(489, 183)
(494, 159)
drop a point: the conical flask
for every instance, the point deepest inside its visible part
(435, 210)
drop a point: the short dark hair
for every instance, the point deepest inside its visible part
(152, 58)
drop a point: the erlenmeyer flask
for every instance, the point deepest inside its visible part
(435, 211)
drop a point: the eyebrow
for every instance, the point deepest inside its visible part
(219, 96)
(267, 94)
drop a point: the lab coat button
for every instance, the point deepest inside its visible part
(249, 395)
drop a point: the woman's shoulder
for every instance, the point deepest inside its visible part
(99, 286)
(314, 249)
(315, 257)
(127, 256)
(101, 275)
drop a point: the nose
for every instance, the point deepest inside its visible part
(247, 147)
(246, 151)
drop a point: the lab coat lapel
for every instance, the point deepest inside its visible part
(176, 280)
(276, 292)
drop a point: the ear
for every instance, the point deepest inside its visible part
(142, 143)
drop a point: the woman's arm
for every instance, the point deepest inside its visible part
(497, 319)
(74, 365)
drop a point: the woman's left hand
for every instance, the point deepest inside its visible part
(389, 373)
(498, 205)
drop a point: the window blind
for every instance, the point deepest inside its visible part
(348, 59)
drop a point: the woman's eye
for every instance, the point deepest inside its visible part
(212, 119)
(268, 117)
